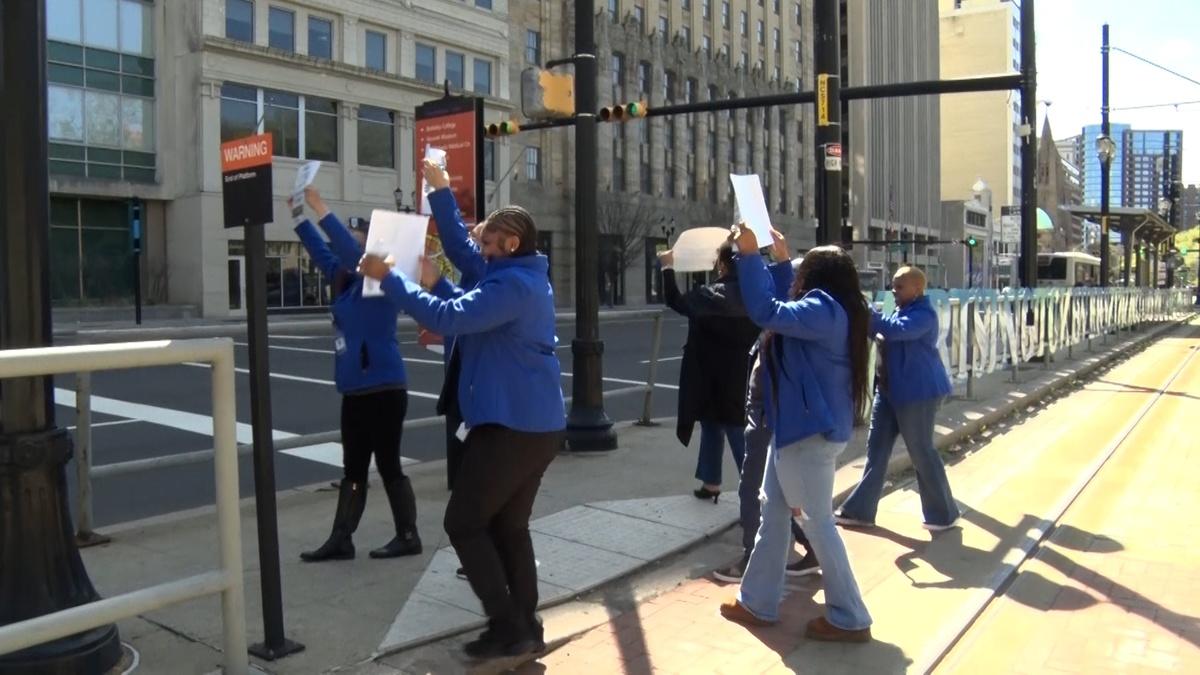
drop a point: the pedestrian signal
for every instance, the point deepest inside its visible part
(971, 242)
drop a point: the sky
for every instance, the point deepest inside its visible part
(1068, 67)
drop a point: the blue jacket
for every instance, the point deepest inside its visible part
(460, 250)
(504, 328)
(914, 369)
(807, 389)
(366, 351)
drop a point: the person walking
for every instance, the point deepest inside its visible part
(369, 374)
(910, 385)
(816, 361)
(510, 394)
(712, 376)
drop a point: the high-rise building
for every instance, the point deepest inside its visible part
(659, 176)
(1189, 207)
(1148, 163)
(892, 147)
(981, 132)
(142, 93)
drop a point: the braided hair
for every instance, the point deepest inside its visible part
(514, 221)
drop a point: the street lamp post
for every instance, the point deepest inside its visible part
(1106, 149)
(41, 571)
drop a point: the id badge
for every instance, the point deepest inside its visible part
(339, 345)
(462, 432)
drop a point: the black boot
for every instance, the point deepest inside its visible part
(352, 499)
(404, 513)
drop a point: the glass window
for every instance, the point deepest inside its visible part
(426, 63)
(664, 26)
(320, 38)
(706, 8)
(376, 57)
(483, 4)
(668, 88)
(281, 117)
(102, 116)
(137, 124)
(239, 111)
(483, 77)
(320, 129)
(456, 69)
(533, 164)
(612, 8)
(687, 36)
(761, 33)
(533, 47)
(376, 137)
(137, 24)
(725, 14)
(63, 21)
(775, 37)
(281, 29)
(799, 15)
(687, 4)
(618, 77)
(639, 16)
(489, 159)
(239, 20)
(100, 24)
(644, 77)
(706, 45)
(65, 112)
(745, 25)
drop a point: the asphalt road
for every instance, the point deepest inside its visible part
(160, 411)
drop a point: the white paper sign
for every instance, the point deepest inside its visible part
(304, 178)
(696, 248)
(400, 235)
(438, 156)
(752, 207)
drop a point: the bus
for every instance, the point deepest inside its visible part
(1068, 269)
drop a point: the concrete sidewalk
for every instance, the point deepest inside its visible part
(597, 518)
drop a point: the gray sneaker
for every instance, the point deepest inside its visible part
(733, 573)
(804, 566)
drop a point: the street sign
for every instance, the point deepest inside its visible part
(833, 156)
(454, 124)
(823, 100)
(246, 180)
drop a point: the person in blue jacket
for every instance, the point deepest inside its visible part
(369, 373)
(910, 384)
(510, 394)
(814, 391)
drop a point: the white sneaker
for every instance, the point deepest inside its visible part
(939, 528)
(851, 522)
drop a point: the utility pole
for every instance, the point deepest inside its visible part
(1106, 148)
(588, 426)
(1028, 148)
(41, 571)
(827, 65)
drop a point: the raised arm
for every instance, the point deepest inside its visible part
(783, 276)
(344, 246)
(493, 303)
(317, 249)
(459, 248)
(900, 328)
(671, 295)
(808, 318)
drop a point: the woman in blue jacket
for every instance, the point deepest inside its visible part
(814, 392)
(510, 395)
(369, 374)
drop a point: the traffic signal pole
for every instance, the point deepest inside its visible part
(827, 65)
(588, 425)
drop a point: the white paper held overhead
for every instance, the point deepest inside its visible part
(304, 178)
(400, 235)
(752, 207)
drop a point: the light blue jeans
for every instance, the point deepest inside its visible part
(801, 475)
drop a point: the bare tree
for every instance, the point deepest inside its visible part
(627, 221)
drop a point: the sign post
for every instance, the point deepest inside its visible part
(135, 227)
(246, 186)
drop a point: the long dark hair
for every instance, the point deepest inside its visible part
(514, 221)
(831, 269)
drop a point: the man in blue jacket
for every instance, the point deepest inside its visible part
(910, 385)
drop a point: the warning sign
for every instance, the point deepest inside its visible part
(246, 180)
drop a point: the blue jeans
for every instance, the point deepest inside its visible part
(712, 450)
(915, 423)
(758, 440)
(801, 475)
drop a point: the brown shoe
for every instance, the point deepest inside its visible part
(822, 630)
(734, 611)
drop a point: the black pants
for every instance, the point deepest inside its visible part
(372, 424)
(488, 518)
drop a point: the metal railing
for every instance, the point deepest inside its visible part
(228, 580)
(86, 472)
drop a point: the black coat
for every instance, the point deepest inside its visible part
(712, 378)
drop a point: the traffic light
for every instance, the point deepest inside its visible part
(546, 94)
(505, 128)
(971, 242)
(1183, 250)
(620, 113)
